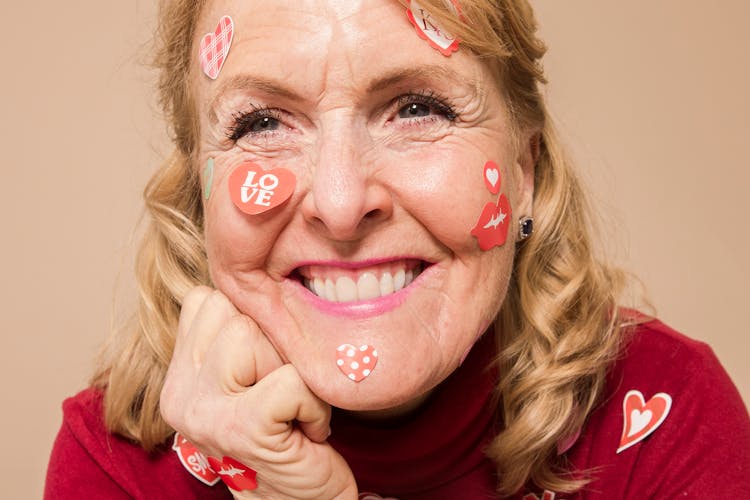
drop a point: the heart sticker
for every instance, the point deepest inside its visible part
(208, 178)
(356, 364)
(492, 177)
(194, 461)
(236, 475)
(492, 228)
(641, 418)
(214, 47)
(429, 30)
(254, 190)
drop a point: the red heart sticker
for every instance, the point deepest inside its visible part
(356, 363)
(492, 177)
(235, 474)
(214, 47)
(641, 418)
(254, 190)
(428, 29)
(492, 228)
(194, 461)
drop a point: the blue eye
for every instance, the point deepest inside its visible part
(421, 105)
(263, 124)
(257, 121)
(414, 110)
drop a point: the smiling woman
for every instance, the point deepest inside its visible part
(341, 291)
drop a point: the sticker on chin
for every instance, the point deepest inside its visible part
(356, 363)
(492, 227)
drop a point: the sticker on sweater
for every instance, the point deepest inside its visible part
(428, 29)
(234, 473)
(214, 47)
(492, 228)
(492, 177)
(547, 495)
(356, 363)
(194, 461)
(254, 190)
(640, 419)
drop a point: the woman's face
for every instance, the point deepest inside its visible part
(388, 140)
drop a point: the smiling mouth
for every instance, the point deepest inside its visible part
(343, 284)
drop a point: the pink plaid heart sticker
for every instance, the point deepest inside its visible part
(215, 47)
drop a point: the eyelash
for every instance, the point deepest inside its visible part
(242, 122)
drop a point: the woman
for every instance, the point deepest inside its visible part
(343, 292)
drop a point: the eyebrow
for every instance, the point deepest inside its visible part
(427, 72)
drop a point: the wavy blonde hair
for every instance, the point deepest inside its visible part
(558, 330)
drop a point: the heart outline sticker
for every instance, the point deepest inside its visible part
(254, 190)
(436, 36)
(356, 363)
(214, 47)
(640, 418)
(492, 177)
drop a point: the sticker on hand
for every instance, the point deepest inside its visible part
(235, 474)
(214, 47)
(428, 29)
(254, 190)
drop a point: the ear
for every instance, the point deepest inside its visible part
(528, 155)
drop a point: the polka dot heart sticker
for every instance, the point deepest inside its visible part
(254, 190)
(356, 363)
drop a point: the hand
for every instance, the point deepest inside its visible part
(228, 392)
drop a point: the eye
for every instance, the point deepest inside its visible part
(414, 110)
(424, 106)
(255, 122)
(262, 124)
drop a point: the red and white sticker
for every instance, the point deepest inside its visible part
(492, 177)
(428, 29)
(214, 47)
(492, 228)
(254, 190)
(641, 418)
(547, 495)
(356, 363)
(194, 461)
(235, 474)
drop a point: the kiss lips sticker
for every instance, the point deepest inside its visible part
(641, 418)
(254, 190)
(429, 30)
(214, 47)
(235, 474)
(492, 228)
(356, 363)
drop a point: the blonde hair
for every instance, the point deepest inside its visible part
(558, 330)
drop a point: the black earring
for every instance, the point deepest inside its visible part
(526, 227)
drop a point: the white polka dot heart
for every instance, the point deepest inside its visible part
(356, 363)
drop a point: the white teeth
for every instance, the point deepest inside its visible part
(346, 290)
(398, 280)
(367, 287)
(386, 284)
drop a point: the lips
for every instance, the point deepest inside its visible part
(336, 283)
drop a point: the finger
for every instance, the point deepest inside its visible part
(215, 311)
(282, 397)
(239, 356)
(191, 304)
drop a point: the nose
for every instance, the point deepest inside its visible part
(346, 200)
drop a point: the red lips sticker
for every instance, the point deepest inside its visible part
(641, 418)
(492, 228)
(194, 461)
(215, 47)
(254, 190)
(235, 474)
(356, 363)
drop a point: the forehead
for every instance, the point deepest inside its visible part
(315, 45)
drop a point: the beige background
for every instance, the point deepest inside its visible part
(652, 96)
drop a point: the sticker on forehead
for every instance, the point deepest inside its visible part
(214, 47)
(492, 177)
(254, 190)
(492, 228)
(428, 28)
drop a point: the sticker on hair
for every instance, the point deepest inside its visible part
(254, 190)
(234, 473)
(214, 47)
(491, 229)
(492, 177)
(356, 363)
(208, 178)
(640, 419)
(428, 28)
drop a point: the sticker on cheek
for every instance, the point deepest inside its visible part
(492, 228)
(492, 177)
(254, 190)
(214, 47)
(208, 178)
(356, 363)
(428, 29)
